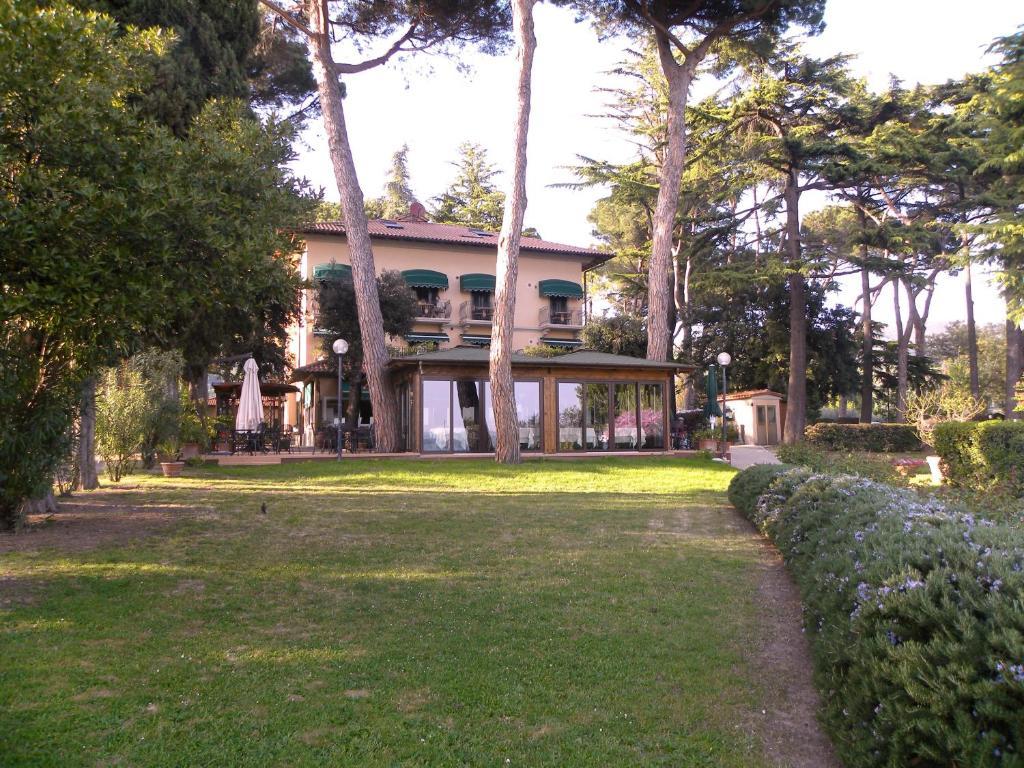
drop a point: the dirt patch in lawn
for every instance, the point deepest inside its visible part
(99, 518)
(787, 725)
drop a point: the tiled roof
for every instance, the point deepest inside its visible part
(429, 232)
(578, 359)
(749, 393)
(313, 369)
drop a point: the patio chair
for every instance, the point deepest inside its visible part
(241, 441)
(284, 441)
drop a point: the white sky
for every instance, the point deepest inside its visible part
(428, 104)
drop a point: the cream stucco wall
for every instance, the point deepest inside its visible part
(454, 261)
(743, 414)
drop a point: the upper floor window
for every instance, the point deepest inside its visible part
(427, 296)
(482, 306)
(559, 309)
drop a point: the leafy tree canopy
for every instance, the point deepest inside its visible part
(398, 196)
(753, 325)
(473, 199)
(336, 313)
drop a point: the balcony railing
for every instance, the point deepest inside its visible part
(469, 314)
(570, 318)
(431, 310)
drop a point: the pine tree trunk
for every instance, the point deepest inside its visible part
(659, 282)
(364, 275)
(972, 336)
(902, 353)
(44, 505)
(796, 391)
(1014, 369)
(503, 401)
(867, 382)
(87, 476)
(355, 394)
(198, 389)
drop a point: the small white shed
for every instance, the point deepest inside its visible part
(758, 414)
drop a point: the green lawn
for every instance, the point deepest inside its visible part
(396, 613)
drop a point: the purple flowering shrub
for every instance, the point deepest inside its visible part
(915, 612)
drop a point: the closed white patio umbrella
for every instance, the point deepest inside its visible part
(250, 403)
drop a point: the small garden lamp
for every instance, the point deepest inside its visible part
(340, 347)
(724, 358)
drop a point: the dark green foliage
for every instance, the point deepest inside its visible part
(81, 271)
(473, 198)
(234, 213)
(986, 455)
(704, 18)
(209, 58)
(618, 335)
(912, 609)
(116, 233)
(337, 316)
(870, 465)
(1001, 445)
(753, 322)
(954, 443)
(747, 486)
(36, 422)
(874, 438)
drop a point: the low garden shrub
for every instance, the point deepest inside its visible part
(913, 612)
(987, 455)
(876, 438)
(878, 467)
(747, 486)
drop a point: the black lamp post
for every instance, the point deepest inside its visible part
(724, 358)
(340, 347)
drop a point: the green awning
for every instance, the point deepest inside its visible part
(425, 278)
(431, 338)
(561, 288)
(332, 272)
(477, 282)
(568, 343)
(479, 341)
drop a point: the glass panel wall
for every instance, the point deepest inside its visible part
(570, 416)
(468, 432)
(437, 421)
(652, 416)
(625, 417)
(528, 413)
(597, 417)
(527, 394)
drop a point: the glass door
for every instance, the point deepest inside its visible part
(596, 433)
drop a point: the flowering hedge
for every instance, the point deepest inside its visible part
(876, 438)
(982, 455)
(914, 612)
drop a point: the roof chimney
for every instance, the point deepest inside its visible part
(416, 212)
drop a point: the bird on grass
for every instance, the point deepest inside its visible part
(263, 508)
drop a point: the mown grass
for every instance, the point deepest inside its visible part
(396, 613)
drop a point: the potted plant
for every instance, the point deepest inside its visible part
(711, 439)
(171, 462)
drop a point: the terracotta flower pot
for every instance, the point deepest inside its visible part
(172, 468)
(189, 450)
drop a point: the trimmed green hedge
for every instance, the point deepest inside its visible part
(875, 438)
(986, 455)
(913, 610)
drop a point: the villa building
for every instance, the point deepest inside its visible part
(577, 401)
